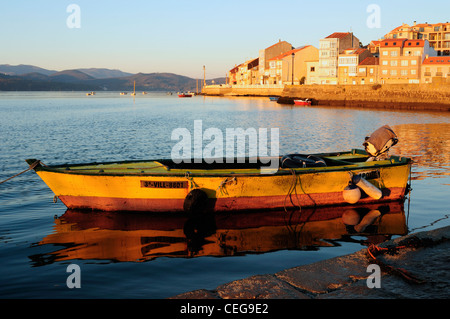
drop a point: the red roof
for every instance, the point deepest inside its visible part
(370, 61)
(437, 60)
(337, 35)
(414, 43)
(392, 42)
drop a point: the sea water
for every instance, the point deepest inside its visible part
(130, 255)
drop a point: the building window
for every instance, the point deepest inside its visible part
(404, 72)
(385, 62)
(394, 63)
(384, 71)
(312, 69)
(413, 72)
(385, 52)
(393, 53)
(413, 62)
(404, 63)
(393, 72)
(371, 70)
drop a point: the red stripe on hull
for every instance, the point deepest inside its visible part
(221, 204)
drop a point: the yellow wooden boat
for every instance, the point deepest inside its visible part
(164, 186)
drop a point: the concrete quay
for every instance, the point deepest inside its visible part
(424, 97)
(415, 266)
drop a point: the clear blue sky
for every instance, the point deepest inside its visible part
(181, 36)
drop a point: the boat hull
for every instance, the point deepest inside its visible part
(166, 192)
(299, 102)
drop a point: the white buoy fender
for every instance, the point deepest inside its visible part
(367, 187)
(351, 193)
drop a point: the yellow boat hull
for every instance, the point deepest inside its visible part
(159, 189)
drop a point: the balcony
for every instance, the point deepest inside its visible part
(427, 74)
(438, 73)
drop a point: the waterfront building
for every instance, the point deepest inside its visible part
(437, 34)
(436, 70)
(268, 53)
(290, 67)
(348, 62)
(245, 73)
(401, 60)
(312, 72)
(368, 71)
(374, 47)
(329, 49)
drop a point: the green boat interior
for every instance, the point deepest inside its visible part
(324, 162)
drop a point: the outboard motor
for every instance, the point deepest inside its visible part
(380, 142)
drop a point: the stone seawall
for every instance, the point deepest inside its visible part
(388, 96)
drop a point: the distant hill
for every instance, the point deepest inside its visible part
(70, 76)
(152, 82)
(104, 73)
(23, 69)
(18, 83)
(30, 78)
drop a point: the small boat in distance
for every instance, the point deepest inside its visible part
(184, 95)
(90, 93)
(302, 102)
(274, 98)
(123, 93)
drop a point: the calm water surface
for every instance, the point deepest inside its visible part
(149, 256)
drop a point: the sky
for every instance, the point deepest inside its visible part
(183, 36)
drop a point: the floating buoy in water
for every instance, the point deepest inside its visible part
(351, 193)
(367, 187)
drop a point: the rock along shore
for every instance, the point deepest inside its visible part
(415, 266)
(430, 97)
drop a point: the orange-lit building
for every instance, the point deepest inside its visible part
(268, 53)
(401, 60)
(438, 35)
(368, 71)
(291, 67)
(245, 73)
(348, 62)
(436, 70)
(329, 49)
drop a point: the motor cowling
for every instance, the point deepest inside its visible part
(380, 141)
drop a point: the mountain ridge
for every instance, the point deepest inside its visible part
(41, 79)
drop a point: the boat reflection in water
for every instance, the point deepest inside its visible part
(140, 237)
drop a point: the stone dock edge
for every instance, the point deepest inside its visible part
(415, 266)
(415, 97)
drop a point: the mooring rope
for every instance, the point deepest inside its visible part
(224, 183)
(292, 188)
(30, 168)
(373, 251)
